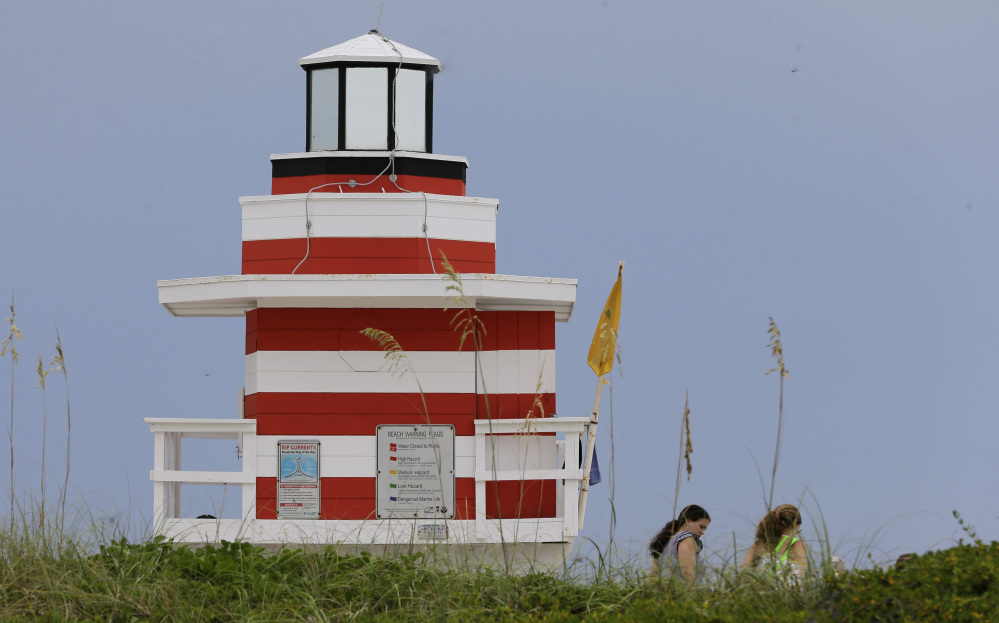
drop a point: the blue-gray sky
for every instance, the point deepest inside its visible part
(830, 165)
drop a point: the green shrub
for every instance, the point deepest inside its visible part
(957, 584)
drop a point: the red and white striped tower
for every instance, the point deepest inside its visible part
(355, 237)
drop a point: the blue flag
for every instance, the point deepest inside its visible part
(594, 464)
(595, 468)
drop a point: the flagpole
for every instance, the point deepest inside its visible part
(591, 429)
(591, 440)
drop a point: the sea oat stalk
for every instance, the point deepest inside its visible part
(777, 350)
(59, 361)
(686, 449)
(8, 345)
(42, 373)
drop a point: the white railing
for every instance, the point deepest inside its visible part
(559, 463)
(168, 476)
(565, 472)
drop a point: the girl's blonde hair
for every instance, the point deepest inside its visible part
(776, 523)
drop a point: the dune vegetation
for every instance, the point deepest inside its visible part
(46, 576)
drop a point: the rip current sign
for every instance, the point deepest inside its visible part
(298, 492)
(415, 471)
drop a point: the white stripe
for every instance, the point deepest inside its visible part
(356, 467)
(352, 456)
(363, 153)
(521, 452)
(350, 215)
(534, 543)
(432, 372)
(516, 372)
(349, 445)
(541, 538)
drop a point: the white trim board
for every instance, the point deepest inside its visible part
(370, 153)
(234, 295)
(355, 456)
(432, 372)
(367, 215)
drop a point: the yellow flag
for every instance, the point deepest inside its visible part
(601, 355)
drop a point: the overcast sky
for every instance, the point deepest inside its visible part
(831, 165)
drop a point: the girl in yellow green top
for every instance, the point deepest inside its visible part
(778, 548)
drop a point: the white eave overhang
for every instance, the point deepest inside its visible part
(371, 47)
(367, 153)
(234, 295)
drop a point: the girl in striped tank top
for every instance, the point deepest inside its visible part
(674, 550)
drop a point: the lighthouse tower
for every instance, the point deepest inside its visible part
(399, 392)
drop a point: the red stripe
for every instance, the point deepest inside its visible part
(360, 414)
(347, 256)
(388, 319)
(414, 329)
(350, 339)
(525, 500)
(414, 183)
(512, 406)
(506, 332)
(355, 487)
(400, 248)
(362, 266)
(354, 498)
(357, 404)
(328, 509)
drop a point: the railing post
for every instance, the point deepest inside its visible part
(250, 469)
(571, 516)
(160, 493)
(480, 485)
(175, 439)
(560, 483)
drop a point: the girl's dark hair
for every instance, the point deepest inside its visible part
(775, 523)
(659, 542)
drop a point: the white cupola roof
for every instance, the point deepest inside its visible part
(370, 48)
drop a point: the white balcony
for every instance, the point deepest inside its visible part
(504, 450)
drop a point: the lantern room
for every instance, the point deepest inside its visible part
(399, 391)
(369, 93)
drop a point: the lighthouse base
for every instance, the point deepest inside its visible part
(516, 558)
(517, 546)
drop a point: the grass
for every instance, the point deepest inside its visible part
(94, 576)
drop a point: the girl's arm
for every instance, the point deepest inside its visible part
(799, 553)
(750, 555)
(687, 554)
